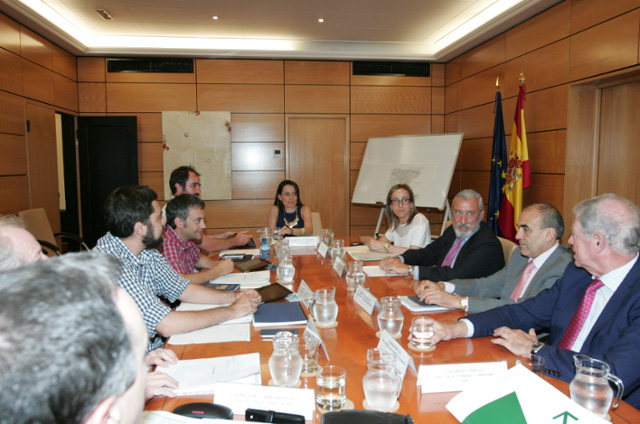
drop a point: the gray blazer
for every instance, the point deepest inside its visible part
(493, 291)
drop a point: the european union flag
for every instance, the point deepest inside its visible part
(498, 167)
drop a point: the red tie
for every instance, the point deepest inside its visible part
(517, 292)
(571, 333)
(452, 253)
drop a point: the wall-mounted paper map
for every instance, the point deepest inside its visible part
(203, 141)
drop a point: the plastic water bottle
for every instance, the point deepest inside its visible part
(264, 249)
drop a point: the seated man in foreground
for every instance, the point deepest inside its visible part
(467, 249)
(134, 220)
(594, 308)
(534, 266)
(73, 344)
(185, 225)
(17, 245)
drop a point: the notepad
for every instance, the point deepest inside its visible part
(247, 280)
(279, 314)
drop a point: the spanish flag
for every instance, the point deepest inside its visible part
(518, 174)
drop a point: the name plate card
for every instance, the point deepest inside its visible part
(366, 300)
(312, 332)
(239, 397)
(338, 265)
(403, 359)
(323, 249)
(457, 377)
(305, 293)
(302, 241)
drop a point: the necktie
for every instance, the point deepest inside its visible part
(517, 292)
(452, 253)
(571, 333)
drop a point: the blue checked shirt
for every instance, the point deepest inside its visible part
(146, 277)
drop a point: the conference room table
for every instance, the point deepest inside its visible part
(348, 342)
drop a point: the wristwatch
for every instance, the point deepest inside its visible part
(386, 246)
(536, 347)
(410, 270)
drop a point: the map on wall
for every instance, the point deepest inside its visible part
(201, 140)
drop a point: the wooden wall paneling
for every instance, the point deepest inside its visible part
(238, 213)
(257, 156)
(357, 154)
(364, 127)
(609, 46)
(257, 127)
(316, 72)
(10, 72)
(587, 13)
(365, 230)
(65, 92)
(544, 110)
(453, 70)
(546, 151)
(150, 157)
(9, 34)
(246, 98)
(12, 114)
(43, 168)
(92, 69)
(92, 97)
(475, 154)
(453, 122)
(545, 28)
(316, 99)
(437, 100)
(453, 97)
(543, 68)
(437, 74)
(13, 160)
(391, 100)
(12, 193)
(485, 56)
(476, 180)
(353, 179)
(477, 122)
(240, 71)
(149, 126)
(437, 124)
(255, 184)
(148, 97)
(64, 63)
(389, 81)
(545, 188)
(36, 48)
(155, 181)
(37, 82)
(480, 88)
(151, 77)
(365, 215)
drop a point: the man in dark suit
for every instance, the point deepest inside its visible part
(594, 308)
(467, 249)
(534, 266)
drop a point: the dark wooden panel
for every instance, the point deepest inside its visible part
(476, 180)
(12, 114)
(150, 157)
(547, 151)
(391, 100)
(316, 99)
(92, 69)
(364, 127)
(257, 127)
(546, 188)
(240, 71)
(64, 63)
(586, 13)
(485, 56)
(241, 98)
(255, 184)
(65, 92)
(92, 97)
(10, 72)
(147, 97)
(237, 213)
(9, 34)
(36, 48)
(155, 181)
(316, 72)
(475, 154)
(37, 82)
(257, 157)
(12, 193)
(13, 160)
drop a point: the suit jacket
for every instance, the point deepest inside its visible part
(614, 338)
(495, 290)
(480, 256)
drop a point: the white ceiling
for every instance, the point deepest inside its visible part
(353, 29)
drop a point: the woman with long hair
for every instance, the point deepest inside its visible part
(288, 213)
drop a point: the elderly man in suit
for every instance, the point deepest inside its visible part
(467, 249)
(534, 266)
(594, 308)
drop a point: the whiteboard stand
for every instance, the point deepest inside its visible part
(375, 235)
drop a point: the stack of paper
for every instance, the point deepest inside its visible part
(240, 251)
(247, 280)
(362, 253)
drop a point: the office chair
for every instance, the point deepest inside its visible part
(37, 223)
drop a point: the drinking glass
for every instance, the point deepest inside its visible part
(337, 249)
(331, 388)
(421, 333)
(534, 364)
(324, 307)
(309, 354)
(286, 270)
(390, 318)
(285, 364)
(327, 237)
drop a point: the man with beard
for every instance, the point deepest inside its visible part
(134, 222)
(467, 249)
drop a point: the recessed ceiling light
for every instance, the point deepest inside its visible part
(320, 20)
(215, 18)
(105, 15)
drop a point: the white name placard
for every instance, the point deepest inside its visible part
(305, 293)
(302, 241)
(312, 332)
(458, 377)
(338, 266)
(323, 249)
(403, 359)
(366, 300)
(239, 397)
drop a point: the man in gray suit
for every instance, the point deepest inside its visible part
(534, 266)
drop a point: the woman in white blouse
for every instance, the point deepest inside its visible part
(407, 228)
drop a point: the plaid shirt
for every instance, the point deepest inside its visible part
(146, 277)
(182, 255)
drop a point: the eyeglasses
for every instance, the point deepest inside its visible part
(404, 201)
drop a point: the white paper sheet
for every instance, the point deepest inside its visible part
(246, 279)
(376, 271)
(185, 306)
(362, 253)
(214, 334)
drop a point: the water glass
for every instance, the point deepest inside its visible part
(282, 248)
(534, 364)
(324, 307)
(266, 232)
(286, 271)
(337, 249)
(331, 388)
(351, 278)
(390, 317)
(421, 333)
(327, 237)
(309, 354)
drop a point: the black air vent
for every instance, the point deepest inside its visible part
(151, 64)
(402, 69)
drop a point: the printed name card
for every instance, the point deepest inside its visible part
(403, 359)
(239, 397)
(457, 377)
(312, 332)
(366, 300)
(305, 293)
(323, 249)
(338, 265)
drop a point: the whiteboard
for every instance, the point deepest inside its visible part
(424, 162)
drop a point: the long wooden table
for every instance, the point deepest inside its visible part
(356, 332)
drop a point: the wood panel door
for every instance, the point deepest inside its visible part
(317, 159)
(43, 167)
(619, 150)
